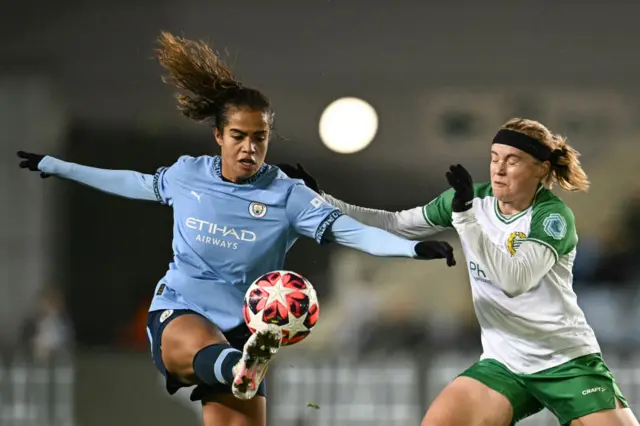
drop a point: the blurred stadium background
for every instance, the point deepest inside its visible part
(77, 80)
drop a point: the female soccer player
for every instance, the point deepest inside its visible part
(235, 217)
(519, 240)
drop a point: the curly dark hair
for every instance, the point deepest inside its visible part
(211, 89)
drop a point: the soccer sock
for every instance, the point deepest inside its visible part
(214, 364)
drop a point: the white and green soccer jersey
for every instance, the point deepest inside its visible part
(520, 269)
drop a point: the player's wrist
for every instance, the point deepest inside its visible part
(52, 165)
(463, 217)
(459, 205)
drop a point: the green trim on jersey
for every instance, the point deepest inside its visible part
(438, 212)
(510, 219)
(553, 224)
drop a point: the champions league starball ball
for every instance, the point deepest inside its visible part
(285, 299)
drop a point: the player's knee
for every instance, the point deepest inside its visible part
(183, 338)
(221, 409)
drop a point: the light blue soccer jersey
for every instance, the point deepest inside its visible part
(226, 235)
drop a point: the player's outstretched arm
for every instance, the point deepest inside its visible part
(349, 232)
(311, 216)
(125, 183)
(411, 224)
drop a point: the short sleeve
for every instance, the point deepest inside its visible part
(164, 180)
(309, 214)
(553, 225)
(438, 211)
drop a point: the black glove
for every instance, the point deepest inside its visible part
(461, 181)
(435, 250)
(299, 172)
(30, 161)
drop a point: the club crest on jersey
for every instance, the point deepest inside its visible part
(513, 242)
(555, 226)
(257, 210)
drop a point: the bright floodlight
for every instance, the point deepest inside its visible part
(348, 125)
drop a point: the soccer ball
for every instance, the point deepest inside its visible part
(285, 299)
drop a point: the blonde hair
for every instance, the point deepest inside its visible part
(567, 172)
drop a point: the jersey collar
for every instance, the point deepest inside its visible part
(512, 218)
(217, 168)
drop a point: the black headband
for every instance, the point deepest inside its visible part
(525, 143)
